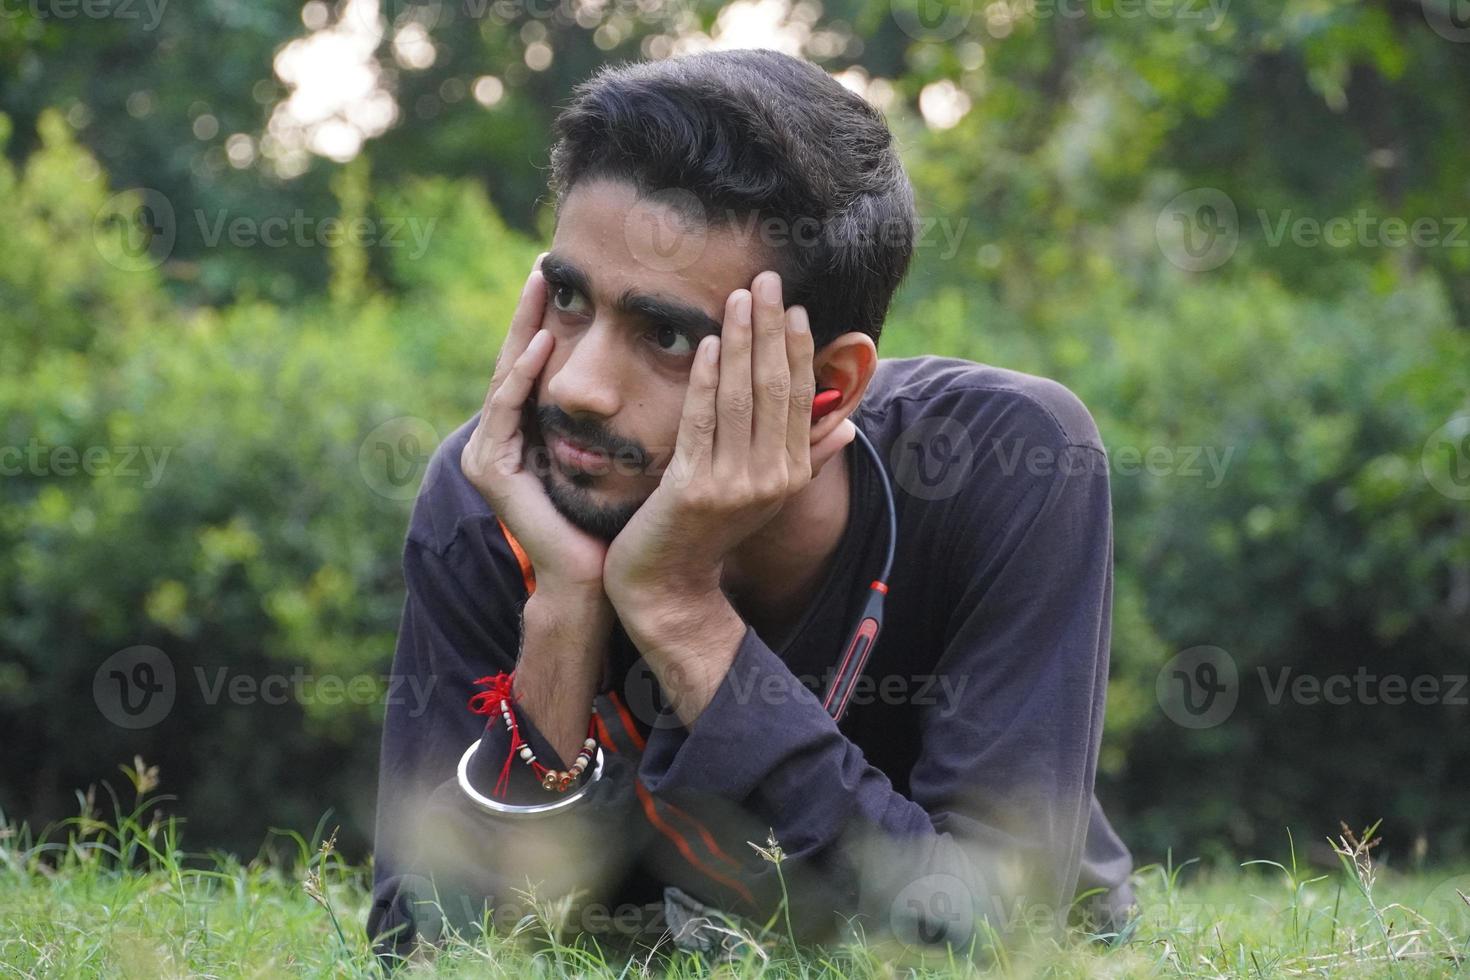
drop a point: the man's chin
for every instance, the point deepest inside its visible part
(578, 504)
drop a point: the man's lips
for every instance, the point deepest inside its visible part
(575, 456)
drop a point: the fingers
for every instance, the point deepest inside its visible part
(771, 376)
(799, 354)
(694, 447)
(502, 418)
(835, 441)
(734, 403)
(523, 325)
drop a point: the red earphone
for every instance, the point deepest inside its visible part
(824, 402)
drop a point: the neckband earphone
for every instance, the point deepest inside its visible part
(865, 634)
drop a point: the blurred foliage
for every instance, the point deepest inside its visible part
(1313, 375)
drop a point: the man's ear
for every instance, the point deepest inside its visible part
(846, 363)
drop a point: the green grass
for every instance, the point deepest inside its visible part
(116, 896)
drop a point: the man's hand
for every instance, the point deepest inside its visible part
(742, 450)
(563, 555)
(567, 622)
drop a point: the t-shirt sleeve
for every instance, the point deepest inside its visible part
(999, 802)
(440, 858)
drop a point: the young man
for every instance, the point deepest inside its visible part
(648, 518)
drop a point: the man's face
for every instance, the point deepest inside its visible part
(631, 289)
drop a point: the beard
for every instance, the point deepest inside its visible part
(572, 493)
(572, 498)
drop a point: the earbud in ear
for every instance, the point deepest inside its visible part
(824, 402)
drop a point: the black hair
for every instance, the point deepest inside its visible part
(758, 133)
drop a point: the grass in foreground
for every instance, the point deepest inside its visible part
(118, 897)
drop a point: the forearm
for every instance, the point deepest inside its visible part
(689, 642)
(564, 644)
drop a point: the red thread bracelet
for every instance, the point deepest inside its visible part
(499, 696)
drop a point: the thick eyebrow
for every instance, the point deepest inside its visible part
(651, 308)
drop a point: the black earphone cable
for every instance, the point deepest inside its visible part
(887, 499)
(865, 634)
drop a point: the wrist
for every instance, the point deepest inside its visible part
(690, 645)
(570, 606)
(671, 619)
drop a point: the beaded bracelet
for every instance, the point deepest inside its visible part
(498, 695)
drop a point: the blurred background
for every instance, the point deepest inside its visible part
(259, 257)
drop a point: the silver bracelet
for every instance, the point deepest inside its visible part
(526, 810)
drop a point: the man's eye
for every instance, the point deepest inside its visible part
(566, 299)
(672, 340)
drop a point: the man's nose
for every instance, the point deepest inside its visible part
(589, 377)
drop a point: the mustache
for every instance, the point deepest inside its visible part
(552, 419)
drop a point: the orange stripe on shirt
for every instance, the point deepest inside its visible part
(627, 719)
(604, 735)
(528, 572)
(704, 834)
(679, 842)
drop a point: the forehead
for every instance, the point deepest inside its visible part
(648, 244)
